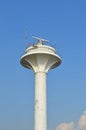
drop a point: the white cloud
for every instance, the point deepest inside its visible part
(81, 125)
(65, 126)
(82, 121)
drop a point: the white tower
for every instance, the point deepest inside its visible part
(40, 58)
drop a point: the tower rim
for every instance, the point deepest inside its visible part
(28, 65)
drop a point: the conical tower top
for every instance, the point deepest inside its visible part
(40, 57)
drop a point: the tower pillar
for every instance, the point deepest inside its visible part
(40, 119)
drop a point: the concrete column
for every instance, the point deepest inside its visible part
(40, 101)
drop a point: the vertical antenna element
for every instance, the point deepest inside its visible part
(26, 37)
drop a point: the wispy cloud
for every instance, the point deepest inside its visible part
(81, 125)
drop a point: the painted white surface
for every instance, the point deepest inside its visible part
(40, 121)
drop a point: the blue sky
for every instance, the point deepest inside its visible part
(63, 23)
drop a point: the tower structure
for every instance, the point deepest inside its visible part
(40, 58)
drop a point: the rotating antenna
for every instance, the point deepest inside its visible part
(40, 40)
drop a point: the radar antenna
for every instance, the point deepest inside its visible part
(40, 40)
